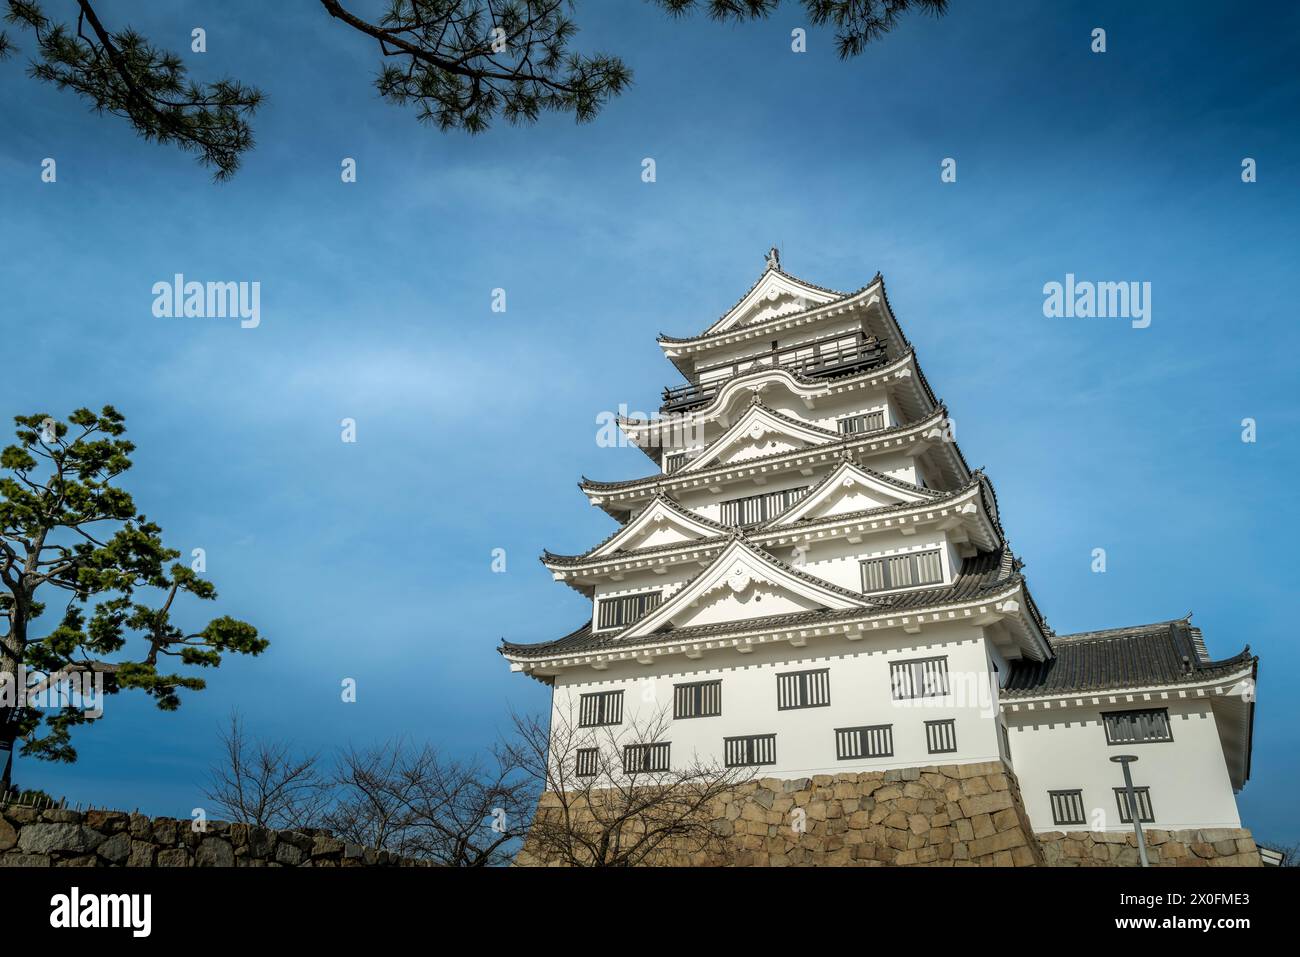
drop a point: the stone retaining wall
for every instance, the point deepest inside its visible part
(952, 815)
(1209, 847)
(945, 815)
(30, 837)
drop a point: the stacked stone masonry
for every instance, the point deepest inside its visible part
(30, 837)
(950, 815)
(1208, 847)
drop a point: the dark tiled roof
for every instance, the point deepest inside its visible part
(937, 501)
(673, 506)
(1168, 652)
(979, 574)
(983, 574)
(935, 498)
(939, 413)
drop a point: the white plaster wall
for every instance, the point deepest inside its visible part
(1063, 749)
(805, 743)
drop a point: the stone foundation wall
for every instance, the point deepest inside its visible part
(1210, 847)
(948, 815)
(30, 837)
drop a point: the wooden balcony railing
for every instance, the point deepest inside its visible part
(832, 358)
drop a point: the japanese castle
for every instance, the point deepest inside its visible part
(813, 580)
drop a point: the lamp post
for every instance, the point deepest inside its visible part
(1124, 760)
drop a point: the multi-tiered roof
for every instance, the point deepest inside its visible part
(791, 340)
(863, 350)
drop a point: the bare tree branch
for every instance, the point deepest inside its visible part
(263, 783)
(621, 814)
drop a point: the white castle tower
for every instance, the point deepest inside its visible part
(814, 581)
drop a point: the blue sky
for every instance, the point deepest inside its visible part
(372, 560)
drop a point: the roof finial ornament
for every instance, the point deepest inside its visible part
(774, 259)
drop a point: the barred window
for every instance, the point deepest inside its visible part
(941, 736)
(753, 749)
(1145, 813)
(676, 460)
(857, 424)
(919, 678)
(803, 689)
(600, 708)
(587, 762)
(1067, 807)
(698, 699)
(617, 612)
(640, 758)
(871, 741)
(1138, 726)
(902, 571)
(755, 509)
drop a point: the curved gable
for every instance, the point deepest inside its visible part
(851, 488)
(775, 294)
(662, 522)
(759, 432)
(741, 583)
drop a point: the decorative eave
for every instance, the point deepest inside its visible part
(784, 280)
(968, 509)
(742, 559)
(681, 350)
(913, 438)
(848, 474)
(677, 349)
(1196, 687)
(1007, 604)
(758, 421)
(661, 507)
(848, 302)
(901, 377)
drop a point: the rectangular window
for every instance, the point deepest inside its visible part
(753, 749)
(902, 571)
(640, 758)
(1137, 727)
(756, 509)
(857, 424)
(617, 612)
(673, 462)
(941, 736)
(1067, 807)
(919, 678)
(872, 741)
(600, 708)
(587, 762)
(1145, 814)
(803, 689)
(699, 699)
